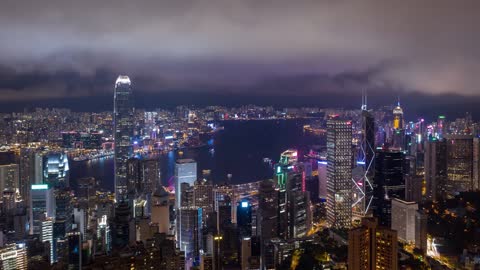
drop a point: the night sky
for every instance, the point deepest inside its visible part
(280, 52)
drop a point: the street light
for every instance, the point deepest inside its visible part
(217, 238)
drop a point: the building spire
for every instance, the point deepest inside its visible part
(364, 100)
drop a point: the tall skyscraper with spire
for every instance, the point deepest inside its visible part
(366, 158)
(398, 137)
(123, 133)
(398, 116)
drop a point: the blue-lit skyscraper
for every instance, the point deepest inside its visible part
(123, 133)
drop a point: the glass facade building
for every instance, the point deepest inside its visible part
(123, 133)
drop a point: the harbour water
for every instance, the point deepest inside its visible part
(239, 149)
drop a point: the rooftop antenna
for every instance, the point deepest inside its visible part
(398, 100)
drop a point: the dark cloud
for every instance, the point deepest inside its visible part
(58, 48)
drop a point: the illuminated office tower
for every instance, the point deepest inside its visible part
(42, 206)
(224, 214)
(203, 196)
(38, 165)
(250, 253)
(87, 190)
(459, 163)
(47, 238)
(440, 127)
(403, 220)
(143, 176)
(389, 183)
(421, 219)
(267, 226)
(121, 226)
(372, 247)
(27, 172)
(284, 171)
(190, 222)
(339, 173)
(104, 237)
(222, 193)
(150, 169)
(244, 219)
(64, 207)
(476, 164)
(398, 122)
(9, 178)
(8, 199)
(366, 158)
(435, 161)
(133, 177)
(185, 172)
(398, 136)
(322, 180)
(123, 133)
(80, 220)
(74, 250)
(14, 257)
(292, 198)
(56, 169)
(413, 181)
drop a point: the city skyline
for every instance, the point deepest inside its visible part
(239, 135)
(270, 49)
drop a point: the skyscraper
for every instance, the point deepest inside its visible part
(398, 136)
(267, 218)
(403, 219)
(47, 238)
(367, 158)
(203, 196)
(185, 172)
(121, 225)
(190, 222)
(74, 250)
(56, 169)
(398, 122)
(123, 133)
(9, 178)
(388, 183)
(42, 206)
(476, 163)
(244, 219)
(435, 160)
(27, 171)
(339, 173)
(14, 257)
(459, 163)
(372, 247)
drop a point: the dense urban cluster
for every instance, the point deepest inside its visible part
(380, 192)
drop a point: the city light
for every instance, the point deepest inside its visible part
(39, 187)
(278, 126)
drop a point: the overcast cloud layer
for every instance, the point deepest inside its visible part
(57, 48)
